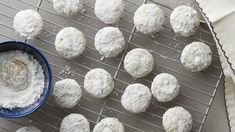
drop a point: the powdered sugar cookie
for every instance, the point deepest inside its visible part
(70, 42)
(109, 11)
(165, 87)
(185, 20)
(109, 125)
(28, 129)
(98, 83)
(196, 56)
(148, 19)
(67, 93)
(28, 23)
(177, 119)
(138, 62)
(136, 98)
(109, 41)
(74, 123)
(68, 7)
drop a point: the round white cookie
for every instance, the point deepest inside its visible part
(165, 87)
(98, 83)
(138, 62)
(136, 98)
(74, 123)
(148, 19)
(185, 20)
(68, 7)
(196, 56)
(109, 11)
(109, 125)
(70, 43)
(28, 129)
(67, 93)
(177, 119)
(109, 41)
(28, 23)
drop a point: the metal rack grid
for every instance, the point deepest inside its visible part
(197, 89)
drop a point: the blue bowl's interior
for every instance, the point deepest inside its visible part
(20, 112)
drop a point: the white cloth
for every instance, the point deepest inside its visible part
(221, 16)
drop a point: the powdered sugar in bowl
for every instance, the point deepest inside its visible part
(25, 79)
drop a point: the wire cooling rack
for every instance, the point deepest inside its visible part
(197, 89)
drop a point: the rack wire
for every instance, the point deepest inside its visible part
(197, 89)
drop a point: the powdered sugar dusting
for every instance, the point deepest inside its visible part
(21, 80)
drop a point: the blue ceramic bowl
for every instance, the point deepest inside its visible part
(20, 112)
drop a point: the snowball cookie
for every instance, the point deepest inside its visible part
(148, 19)
(196, 56)
(68, 7)
(74, 123)
(67, 93)
(136, 98)
(184, 20)
(109, 41)
(98, 83)
(28, 129)
(177, 119)
(109, 125)
(109, 11)
(165, 87)
(138, 62)
(28, 23)
(70, 43)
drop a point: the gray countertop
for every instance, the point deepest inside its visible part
(217, 120)
(49, 116)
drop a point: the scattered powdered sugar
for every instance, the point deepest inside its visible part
(21, 80)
